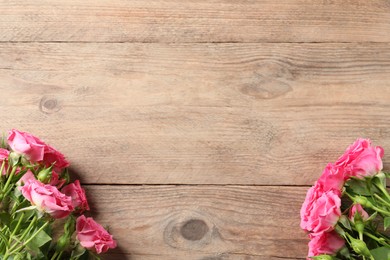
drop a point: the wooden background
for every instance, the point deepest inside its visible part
(198, 125)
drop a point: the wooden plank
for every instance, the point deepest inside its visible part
(202, 222)
(266, 114)
(195, 21)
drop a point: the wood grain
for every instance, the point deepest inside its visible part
(202, 222)
(195, 21)
(265, 114)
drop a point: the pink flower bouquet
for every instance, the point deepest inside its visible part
(347, 211)
(35, 195)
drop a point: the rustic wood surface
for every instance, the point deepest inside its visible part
(197, 126)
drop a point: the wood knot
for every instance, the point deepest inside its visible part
(49, 105)
(194, 229)
(189, 229)
(269, 80)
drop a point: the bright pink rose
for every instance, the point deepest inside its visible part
(93, 236)
(361, 159)
(4, 153)
(357, 208)
(320, 210)
(47, 198)
(79, 200)
(56, 180)
(35, 150)
(325, 243)
(54, 156)
(332, 178)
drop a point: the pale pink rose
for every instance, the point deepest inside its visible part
(357, 208)
(325, 243)
(4, 153)
(93, 236)
(320, 210)
(361, 159)
(28, 145)
(332, 178)
(36, 150)
(47, 198)
(79, 200)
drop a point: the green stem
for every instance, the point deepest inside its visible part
(384, 212)
(54, 256)
(2, 168)
(59, 255)
(383, 190)
(30, 239)
(376, 239)
(28, 229)
(382, 200)
(9, 179)
(16, 228)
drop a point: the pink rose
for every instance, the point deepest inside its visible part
(320, 210)
(325, 243)
(47, 198)
(28, 176)
(79, 200)
(56, 180)
(361, 159)
(28, 145)
(93, 236)
(357, 208)
(332, 178)
(35, 150)
(4, 153)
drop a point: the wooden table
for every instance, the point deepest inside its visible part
(197, 126)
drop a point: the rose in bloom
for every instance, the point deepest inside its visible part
(28, 176)
(93, 236)
(56, 180)
(4, 153)
(320, 210)
(325, 243)
(332, 178)
(79, 200)
(47, 198)
(361, 159)
(357, 208)
(35, 150)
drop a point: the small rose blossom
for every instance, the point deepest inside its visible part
(93, 236)
(79, 200)
(320, 210)
(35, 150)
(47, 198)
(361, 159)
(357, 208)
(325, 243)
(332, 178)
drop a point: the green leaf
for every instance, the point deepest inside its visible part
(358, 186)
(381, 253)
(345, 222)
(386, 222)
(39, 240)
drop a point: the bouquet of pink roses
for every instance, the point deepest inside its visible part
(347, 211)
(41, 211)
